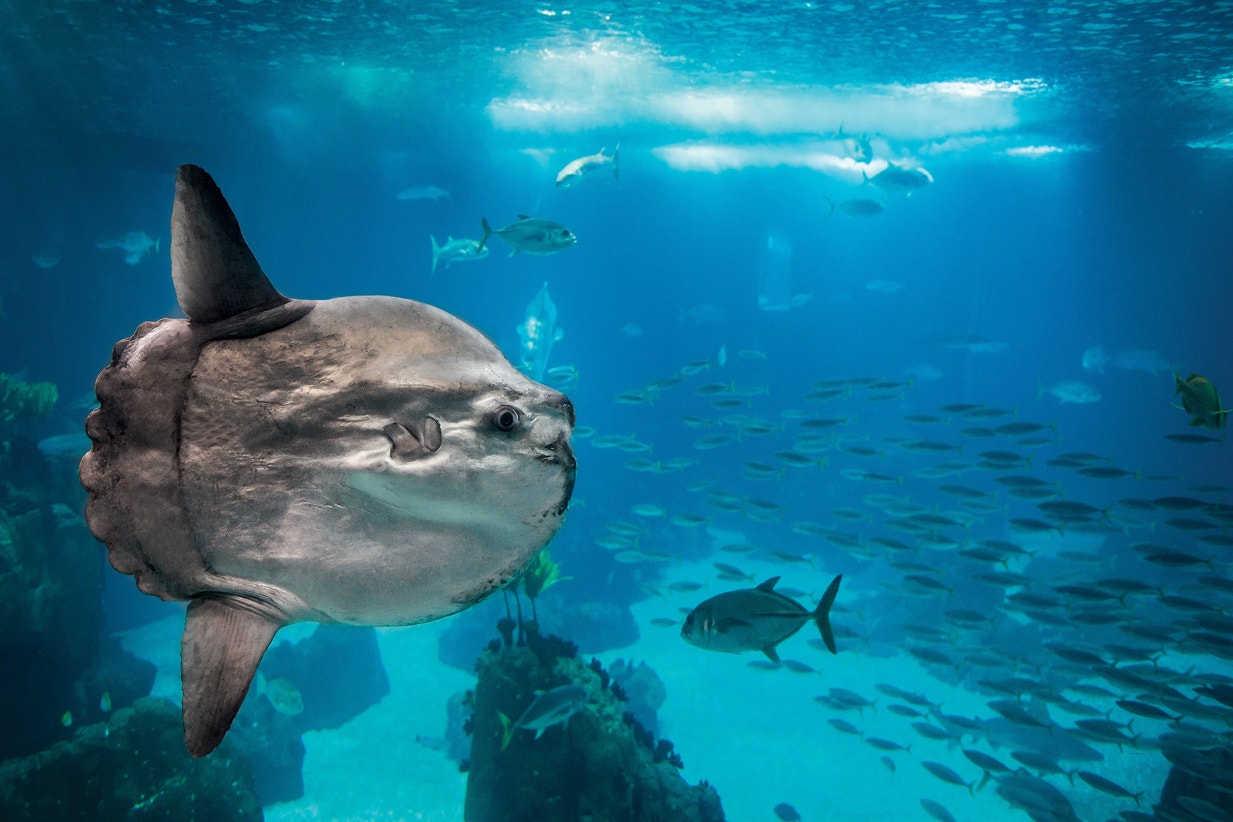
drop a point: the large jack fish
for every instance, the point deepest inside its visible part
(360, 460)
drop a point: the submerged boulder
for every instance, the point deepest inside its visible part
(601, 764)
(133, 766)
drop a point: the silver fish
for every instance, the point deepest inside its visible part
(549, 708)
(461, 250)
(360, 460)
(575, 170)
(534, 236)
(756, 619)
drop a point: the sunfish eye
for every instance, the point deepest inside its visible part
(506, 417)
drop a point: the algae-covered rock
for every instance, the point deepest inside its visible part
(600, 766)
(132, 767)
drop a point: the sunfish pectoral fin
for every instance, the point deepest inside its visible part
(414, 439)
(224, 640)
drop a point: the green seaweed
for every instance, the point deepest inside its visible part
(541, 574)
(22, 401)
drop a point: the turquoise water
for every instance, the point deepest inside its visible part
(781, 360)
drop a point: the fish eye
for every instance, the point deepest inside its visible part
(506, 417)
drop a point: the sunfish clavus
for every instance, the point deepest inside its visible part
(360, 460)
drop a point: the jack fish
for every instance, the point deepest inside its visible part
(756, 619)
(541, 237)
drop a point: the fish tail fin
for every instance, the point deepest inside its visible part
(831, 204)
(487, 233)
(507, 730)
(436, 252)
(616, 169)
(822, 614)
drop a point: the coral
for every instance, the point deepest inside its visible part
(598, 766)
(133, 766)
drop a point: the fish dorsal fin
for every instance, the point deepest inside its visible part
(223, 643)
(769, 585)
(215, 273)
(523, 217)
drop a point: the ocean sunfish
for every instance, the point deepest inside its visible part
(359, 460)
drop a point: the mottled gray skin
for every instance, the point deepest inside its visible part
(364, 460)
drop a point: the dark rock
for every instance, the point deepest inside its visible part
(591, 768)
(131, 767)
(274, 748)
(596, 625)
(337, 672)
(644, 692)
(457, 715)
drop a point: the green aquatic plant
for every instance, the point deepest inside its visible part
(541, 574)
(22, 401)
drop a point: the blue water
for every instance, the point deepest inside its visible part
(1081, 169)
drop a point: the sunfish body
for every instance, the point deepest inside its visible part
(756, 619)
(360, 460)
(534, 236)
(575, 170)
(461, 250)
(550, 708)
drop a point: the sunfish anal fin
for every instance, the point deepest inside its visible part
(223, 643)
(215, 274)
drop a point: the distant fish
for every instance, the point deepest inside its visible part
(1095, 359)
(575, 170)
(631, 330)
(549, 708)
(461, 250)
(433, 193)
(900, 178)
(974, 344)
(1141, 360)
(135, 245)
(1201, 401)
(62, 444)
(704, 314)
(756, 619)
(46, 260)
(1074, 391)
(857, 207)
(534, 236)
(538, 332)
(795, 301)
(885, 286)
(857, 148)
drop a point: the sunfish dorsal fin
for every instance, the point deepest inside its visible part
(215, 273)
(223, 643)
